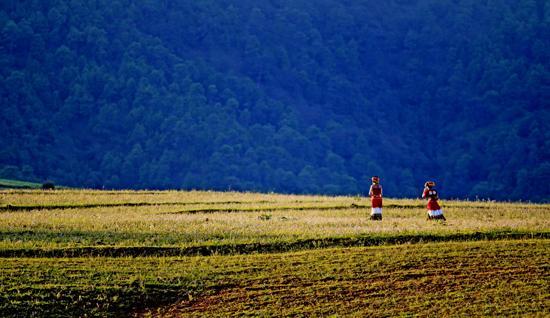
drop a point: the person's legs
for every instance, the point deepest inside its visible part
(441, 217)
(436, 215)
(376, 217)
(376, 214)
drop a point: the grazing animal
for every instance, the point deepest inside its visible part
(48, 186)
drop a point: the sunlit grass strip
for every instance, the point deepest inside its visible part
(270, 209)
(336, 207)
(37, 197)
(270, 247)
(250, 222)
(320, 208)
(16, 208)
(79, 197)
(149, 226)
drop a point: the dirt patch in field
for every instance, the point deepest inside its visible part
(404, 291)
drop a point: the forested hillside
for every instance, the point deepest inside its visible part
(279, 95)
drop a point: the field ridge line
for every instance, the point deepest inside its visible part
(11, 208)
(297, 208)
(274, 247)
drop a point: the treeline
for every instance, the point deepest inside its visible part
(287, 96)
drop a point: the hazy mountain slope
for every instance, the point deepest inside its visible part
(290, 96)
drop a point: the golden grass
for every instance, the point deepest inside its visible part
(169, 225)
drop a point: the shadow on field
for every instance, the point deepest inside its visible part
(15, 208)
(274, 247)
(302, 208)
(18, 208)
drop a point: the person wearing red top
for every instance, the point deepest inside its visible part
(434, 210)
(375, 194)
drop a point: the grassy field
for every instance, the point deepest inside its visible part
(101, 253)
(16, 184)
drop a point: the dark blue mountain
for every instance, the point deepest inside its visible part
(279, 95)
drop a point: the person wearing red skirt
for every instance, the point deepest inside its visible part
(375, 194)
(434, 210)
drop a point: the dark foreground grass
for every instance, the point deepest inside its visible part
(498, 278)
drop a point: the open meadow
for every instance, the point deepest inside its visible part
(173, 253)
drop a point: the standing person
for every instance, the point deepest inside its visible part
(434, 210)
(375, 194)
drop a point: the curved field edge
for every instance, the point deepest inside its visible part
(16, 208)
(24, 200)
(460, 278)
(270, 247)
(350, 205)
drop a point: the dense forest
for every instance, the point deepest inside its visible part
(291, 96)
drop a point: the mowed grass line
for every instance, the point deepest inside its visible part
(79, 197)
(300, 208)
(15, 208)
(498, 278)
(270, 209)
(267, 247)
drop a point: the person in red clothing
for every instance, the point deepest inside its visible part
(375, 194)
(434, 210)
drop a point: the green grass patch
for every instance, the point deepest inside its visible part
(16, 184)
